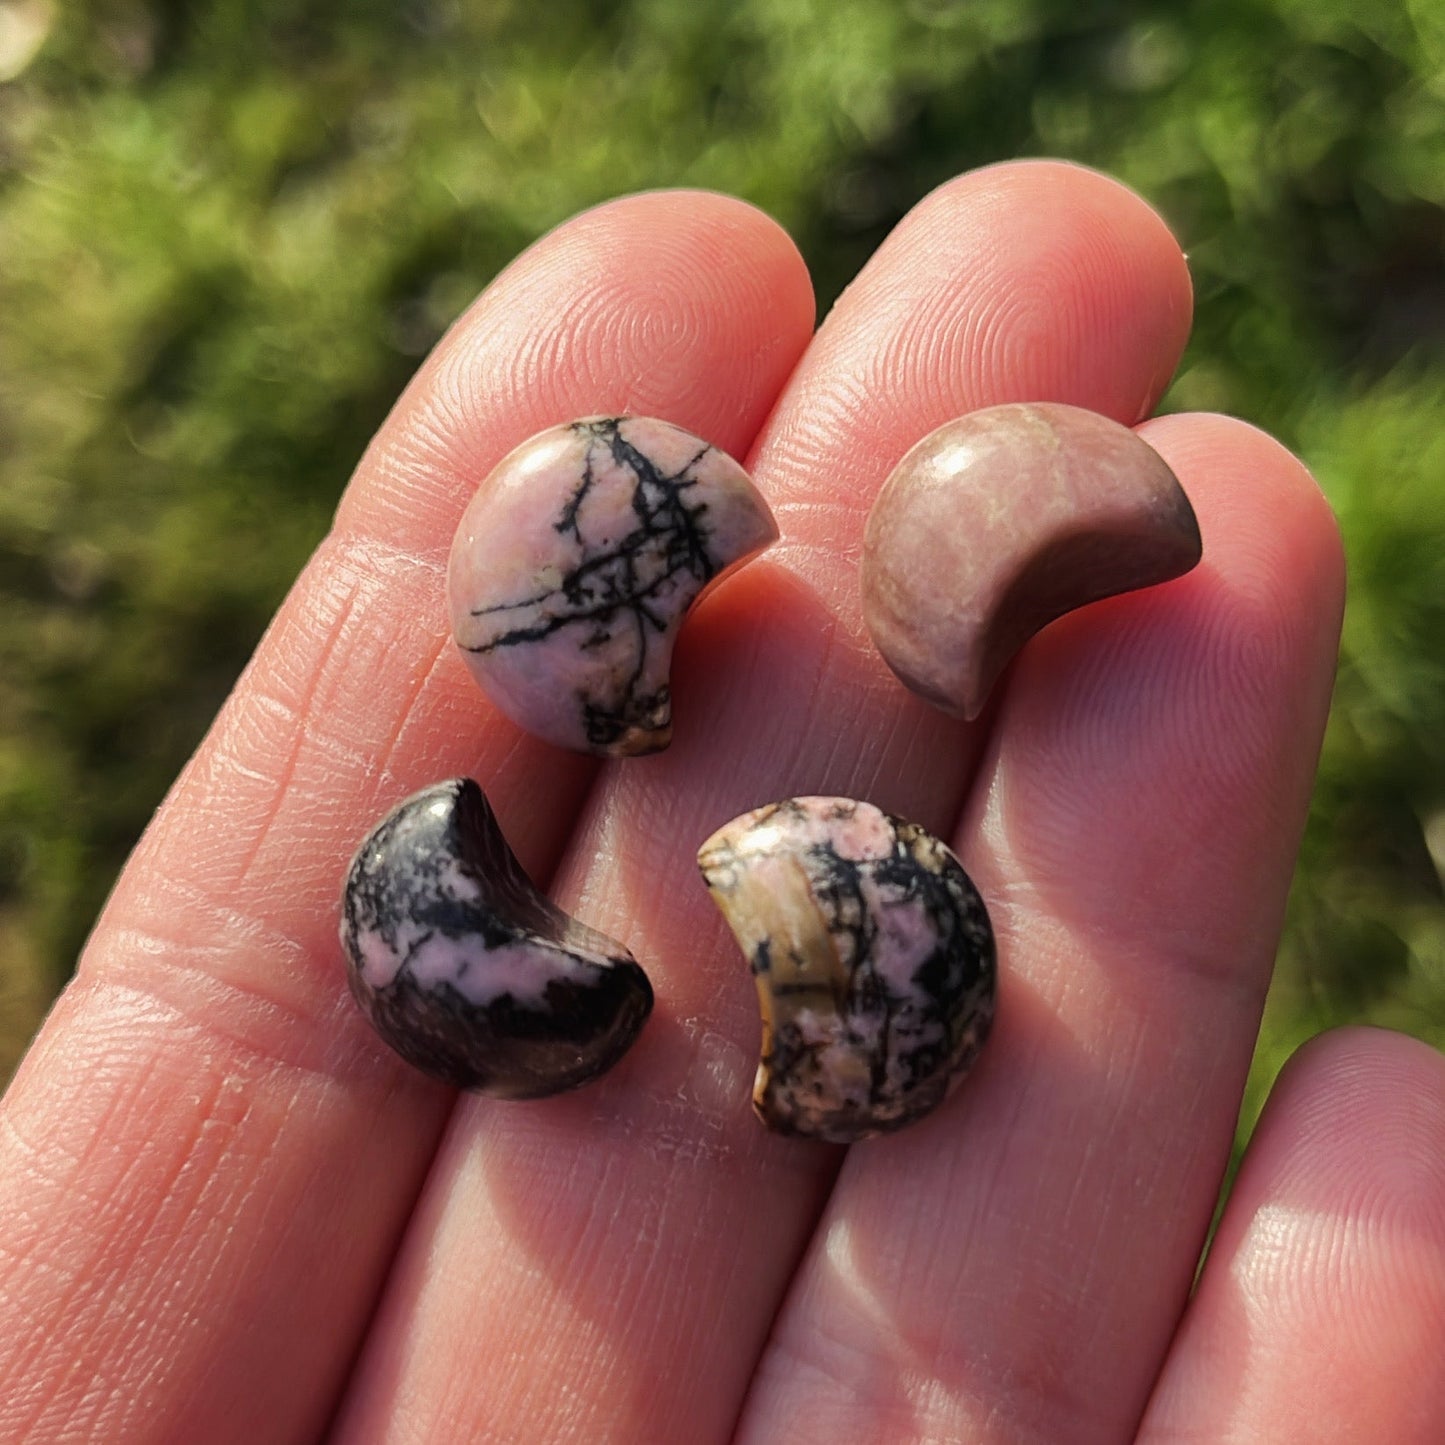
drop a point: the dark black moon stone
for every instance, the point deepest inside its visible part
(469, 972)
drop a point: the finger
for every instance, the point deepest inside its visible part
(1321, 1307)
(1013, 1268)
(206, 1161)
(635, 1239)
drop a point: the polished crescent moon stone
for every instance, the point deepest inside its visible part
(469, 972)
(998, 523)
(575, 564)
(874, 961)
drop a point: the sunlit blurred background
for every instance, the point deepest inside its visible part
(229, 231)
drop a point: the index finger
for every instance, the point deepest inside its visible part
(206, 1160)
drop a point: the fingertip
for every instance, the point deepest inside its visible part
(1088, 302)
(1271, 580)
(691, 299)
(1030, 281)
(1341, 1197)
(1297, 515)
(1357, 1118)
(687, 305)
(1339, 1207)
(1323, 1295)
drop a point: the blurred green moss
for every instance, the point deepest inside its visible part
(229, 231)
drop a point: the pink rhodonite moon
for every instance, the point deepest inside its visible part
(575, 564)
(873, 956)
(1001, 521)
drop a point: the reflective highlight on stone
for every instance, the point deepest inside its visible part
(469, 972)
(873, 956)
(998, 523)
(575, 564)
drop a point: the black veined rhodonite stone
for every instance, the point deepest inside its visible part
(873, 957)
(574, 568)
(469, 972)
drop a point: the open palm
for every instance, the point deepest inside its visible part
(230, 1214)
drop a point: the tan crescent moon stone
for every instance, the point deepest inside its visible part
(998, 523)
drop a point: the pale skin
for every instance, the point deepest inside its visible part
(229, 1214)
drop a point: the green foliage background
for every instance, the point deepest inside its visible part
(228, 232)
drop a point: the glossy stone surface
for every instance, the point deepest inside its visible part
(576, 562)
(469, 972)
(998, 523)
(873, 957)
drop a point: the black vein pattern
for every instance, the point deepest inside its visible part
(630, 589)
(851, 1050)
(438, 868)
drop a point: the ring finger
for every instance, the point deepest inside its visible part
(1014, 1268)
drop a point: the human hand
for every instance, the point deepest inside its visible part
(230, 1214)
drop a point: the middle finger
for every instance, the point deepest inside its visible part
(605, 1265)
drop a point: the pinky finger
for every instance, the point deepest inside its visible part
(1321, 1307)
